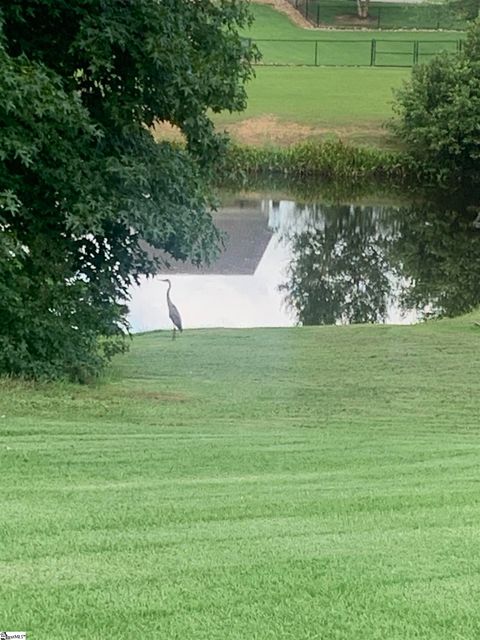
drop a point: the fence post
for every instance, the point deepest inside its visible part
(373, 52)
(415, 52)
(316, 53)
(318, 14)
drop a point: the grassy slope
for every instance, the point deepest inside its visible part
(352, 103)
(270, 484)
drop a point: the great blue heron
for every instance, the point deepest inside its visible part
(173, 312)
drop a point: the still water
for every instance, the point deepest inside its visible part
(288, 263)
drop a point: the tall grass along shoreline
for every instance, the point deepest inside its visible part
(328, 160)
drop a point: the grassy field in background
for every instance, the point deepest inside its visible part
(283, 42)
(269, 23)
(289, 104)
(272, 484)
(322, 96)
(382, 15)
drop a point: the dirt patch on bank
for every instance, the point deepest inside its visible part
(268, 130)
(350, 21)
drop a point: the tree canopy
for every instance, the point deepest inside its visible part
(83, 184)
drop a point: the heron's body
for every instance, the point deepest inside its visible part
(173, 312)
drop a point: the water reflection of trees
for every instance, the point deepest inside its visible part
(350, 262)
(439, 249)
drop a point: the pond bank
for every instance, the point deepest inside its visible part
(328, 160)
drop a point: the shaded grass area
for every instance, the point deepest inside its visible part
(269, 23)
(383, 15)
(289, 483)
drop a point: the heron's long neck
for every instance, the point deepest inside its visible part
(168, 290)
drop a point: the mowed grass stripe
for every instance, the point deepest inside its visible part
(289, 483)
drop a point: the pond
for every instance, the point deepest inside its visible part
(286, 262)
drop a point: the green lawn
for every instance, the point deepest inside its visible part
(349, 103)
(288, 104)
(324, 96)
(282, 42)
(305, 483)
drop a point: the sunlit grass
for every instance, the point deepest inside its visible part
(351, 104)
(288, 483)
(327, 96)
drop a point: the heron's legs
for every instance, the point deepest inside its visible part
(174, 332)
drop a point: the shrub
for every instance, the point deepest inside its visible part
(439, 113)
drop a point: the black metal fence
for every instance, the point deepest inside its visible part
(352, 53)
(343, 14)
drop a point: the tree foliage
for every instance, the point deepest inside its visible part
(83, 184)
(439, 112)
(467, 9)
